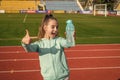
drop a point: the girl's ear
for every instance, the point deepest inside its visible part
(45, 27)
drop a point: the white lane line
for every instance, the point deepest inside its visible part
(94, 50)
(6, 60)
(72, 69)
(14, 71)
(100, 57)
(24, 20)
(94, 68)
(69, 58)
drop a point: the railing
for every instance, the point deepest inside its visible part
(116, 4)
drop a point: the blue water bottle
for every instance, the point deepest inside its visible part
(70, 31)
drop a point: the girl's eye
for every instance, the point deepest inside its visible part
(57, 27)
(53, 27)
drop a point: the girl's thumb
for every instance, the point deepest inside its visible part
(27, 32)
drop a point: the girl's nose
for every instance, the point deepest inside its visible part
(55, 29)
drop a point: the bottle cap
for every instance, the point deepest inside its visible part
(69, 21)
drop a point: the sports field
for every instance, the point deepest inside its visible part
(95, 57)
(89, 28)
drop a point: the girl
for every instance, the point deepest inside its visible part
(51, 50)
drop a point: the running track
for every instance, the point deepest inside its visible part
(86, 62)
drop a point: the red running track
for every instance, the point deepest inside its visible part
(86, 62)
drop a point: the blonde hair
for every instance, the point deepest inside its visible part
(44, 22)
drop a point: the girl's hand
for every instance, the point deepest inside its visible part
(74, 35)
(26, 39)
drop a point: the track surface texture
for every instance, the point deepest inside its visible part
(86, 62)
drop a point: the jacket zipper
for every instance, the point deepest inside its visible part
(54, 68)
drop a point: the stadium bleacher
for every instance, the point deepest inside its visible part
(14, 6)
(62, 5)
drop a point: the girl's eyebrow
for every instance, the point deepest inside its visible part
(54, 25)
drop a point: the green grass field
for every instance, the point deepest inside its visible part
(89, 29)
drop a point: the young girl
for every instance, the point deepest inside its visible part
(51, 50)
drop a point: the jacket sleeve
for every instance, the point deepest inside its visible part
(33, 47)
(65, 43)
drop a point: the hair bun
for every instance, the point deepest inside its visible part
(49, 15)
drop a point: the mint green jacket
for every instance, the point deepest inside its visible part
(52, 58)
